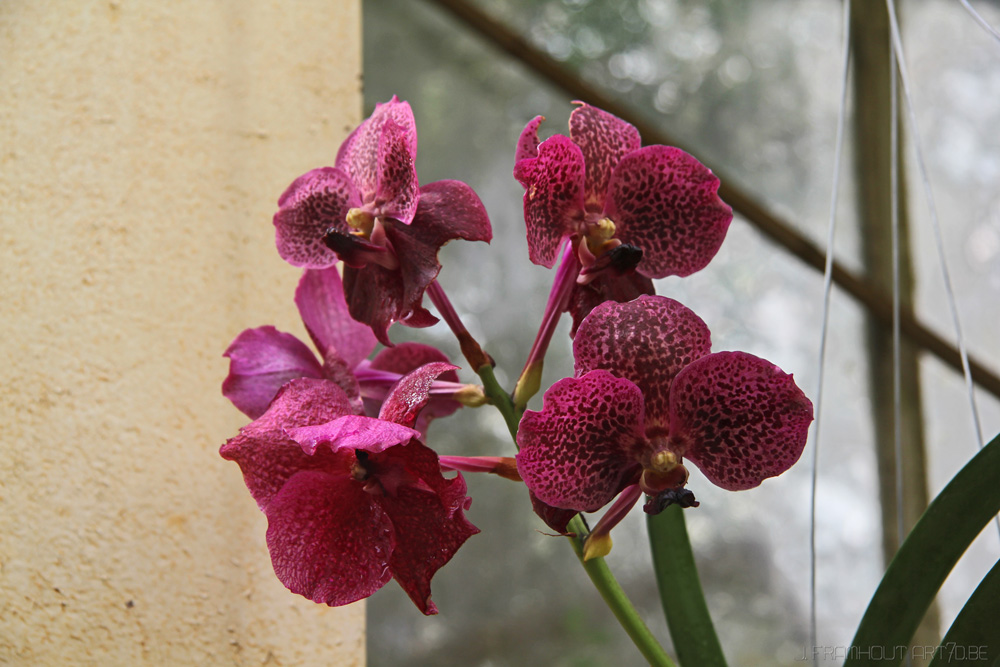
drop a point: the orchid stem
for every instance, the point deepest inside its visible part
(500, 399)
(606, 584)
(681, 594)
(471, 349)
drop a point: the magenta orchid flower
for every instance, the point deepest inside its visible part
(369, 211)
(263, 359)
(647, 395)
(352, 501)
(625, 209)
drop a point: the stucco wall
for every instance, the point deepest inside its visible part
(143, 146)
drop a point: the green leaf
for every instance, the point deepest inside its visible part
(683, 601)
(973, 637)
(946, 529)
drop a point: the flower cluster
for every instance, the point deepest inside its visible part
(337, 453)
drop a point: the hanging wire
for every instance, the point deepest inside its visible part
(897, 366)
(935, 222)
(897, 44)
(976, 15)
(827, 290)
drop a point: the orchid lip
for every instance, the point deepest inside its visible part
(357, 252)
(619, 260)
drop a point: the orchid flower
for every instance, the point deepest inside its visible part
(263, 359)
(647, 395)
(369, 211)
(352, 501)
(626, 214)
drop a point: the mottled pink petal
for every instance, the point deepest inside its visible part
(406, 357)
(553, 199)
(604, 139)
(739, 418)
(527, 143)
(582, 448)
(338, 371)
(352, 432)
(452, 210)
(606, 287)
(428, 520)
(263, 450)
(329, 540)
(320, 299)
(358, 155)
(666, 202)
(412, 393)
(648, 340)
(261, 360)
(312, 204)
(396, 196)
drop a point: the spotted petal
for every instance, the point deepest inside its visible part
(396, 193)
(412, 393)
(527, 143)
(359, 154)
(606, 287)
(400, 360)
(665, 202)
(739, 418)
(604, 139)
(312, 204)
(582, 448)
(553, 197)
(648, 340)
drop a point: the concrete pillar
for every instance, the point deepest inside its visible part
(143, 146)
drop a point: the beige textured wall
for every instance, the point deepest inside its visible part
(142, 148)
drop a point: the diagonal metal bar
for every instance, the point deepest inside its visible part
(874, 300)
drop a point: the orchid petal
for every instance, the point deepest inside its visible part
(261, 360)
(648, 340)
(427, 518)
(351, 432)
(359, 154)
(554, 517)
(406, 357)
(606, 287)
(581, 449)
(337, 370)
(412, 393)
(527, 143)
(553, 198)
(329, 540)
(312, 204)
(604, 140)
(452, 210)
(666, 202)
(397, 175)
(321, 303)
(263, 450)
(739, 418)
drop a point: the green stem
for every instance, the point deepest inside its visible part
(680, 591)
(606, 584)
(499, 398)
